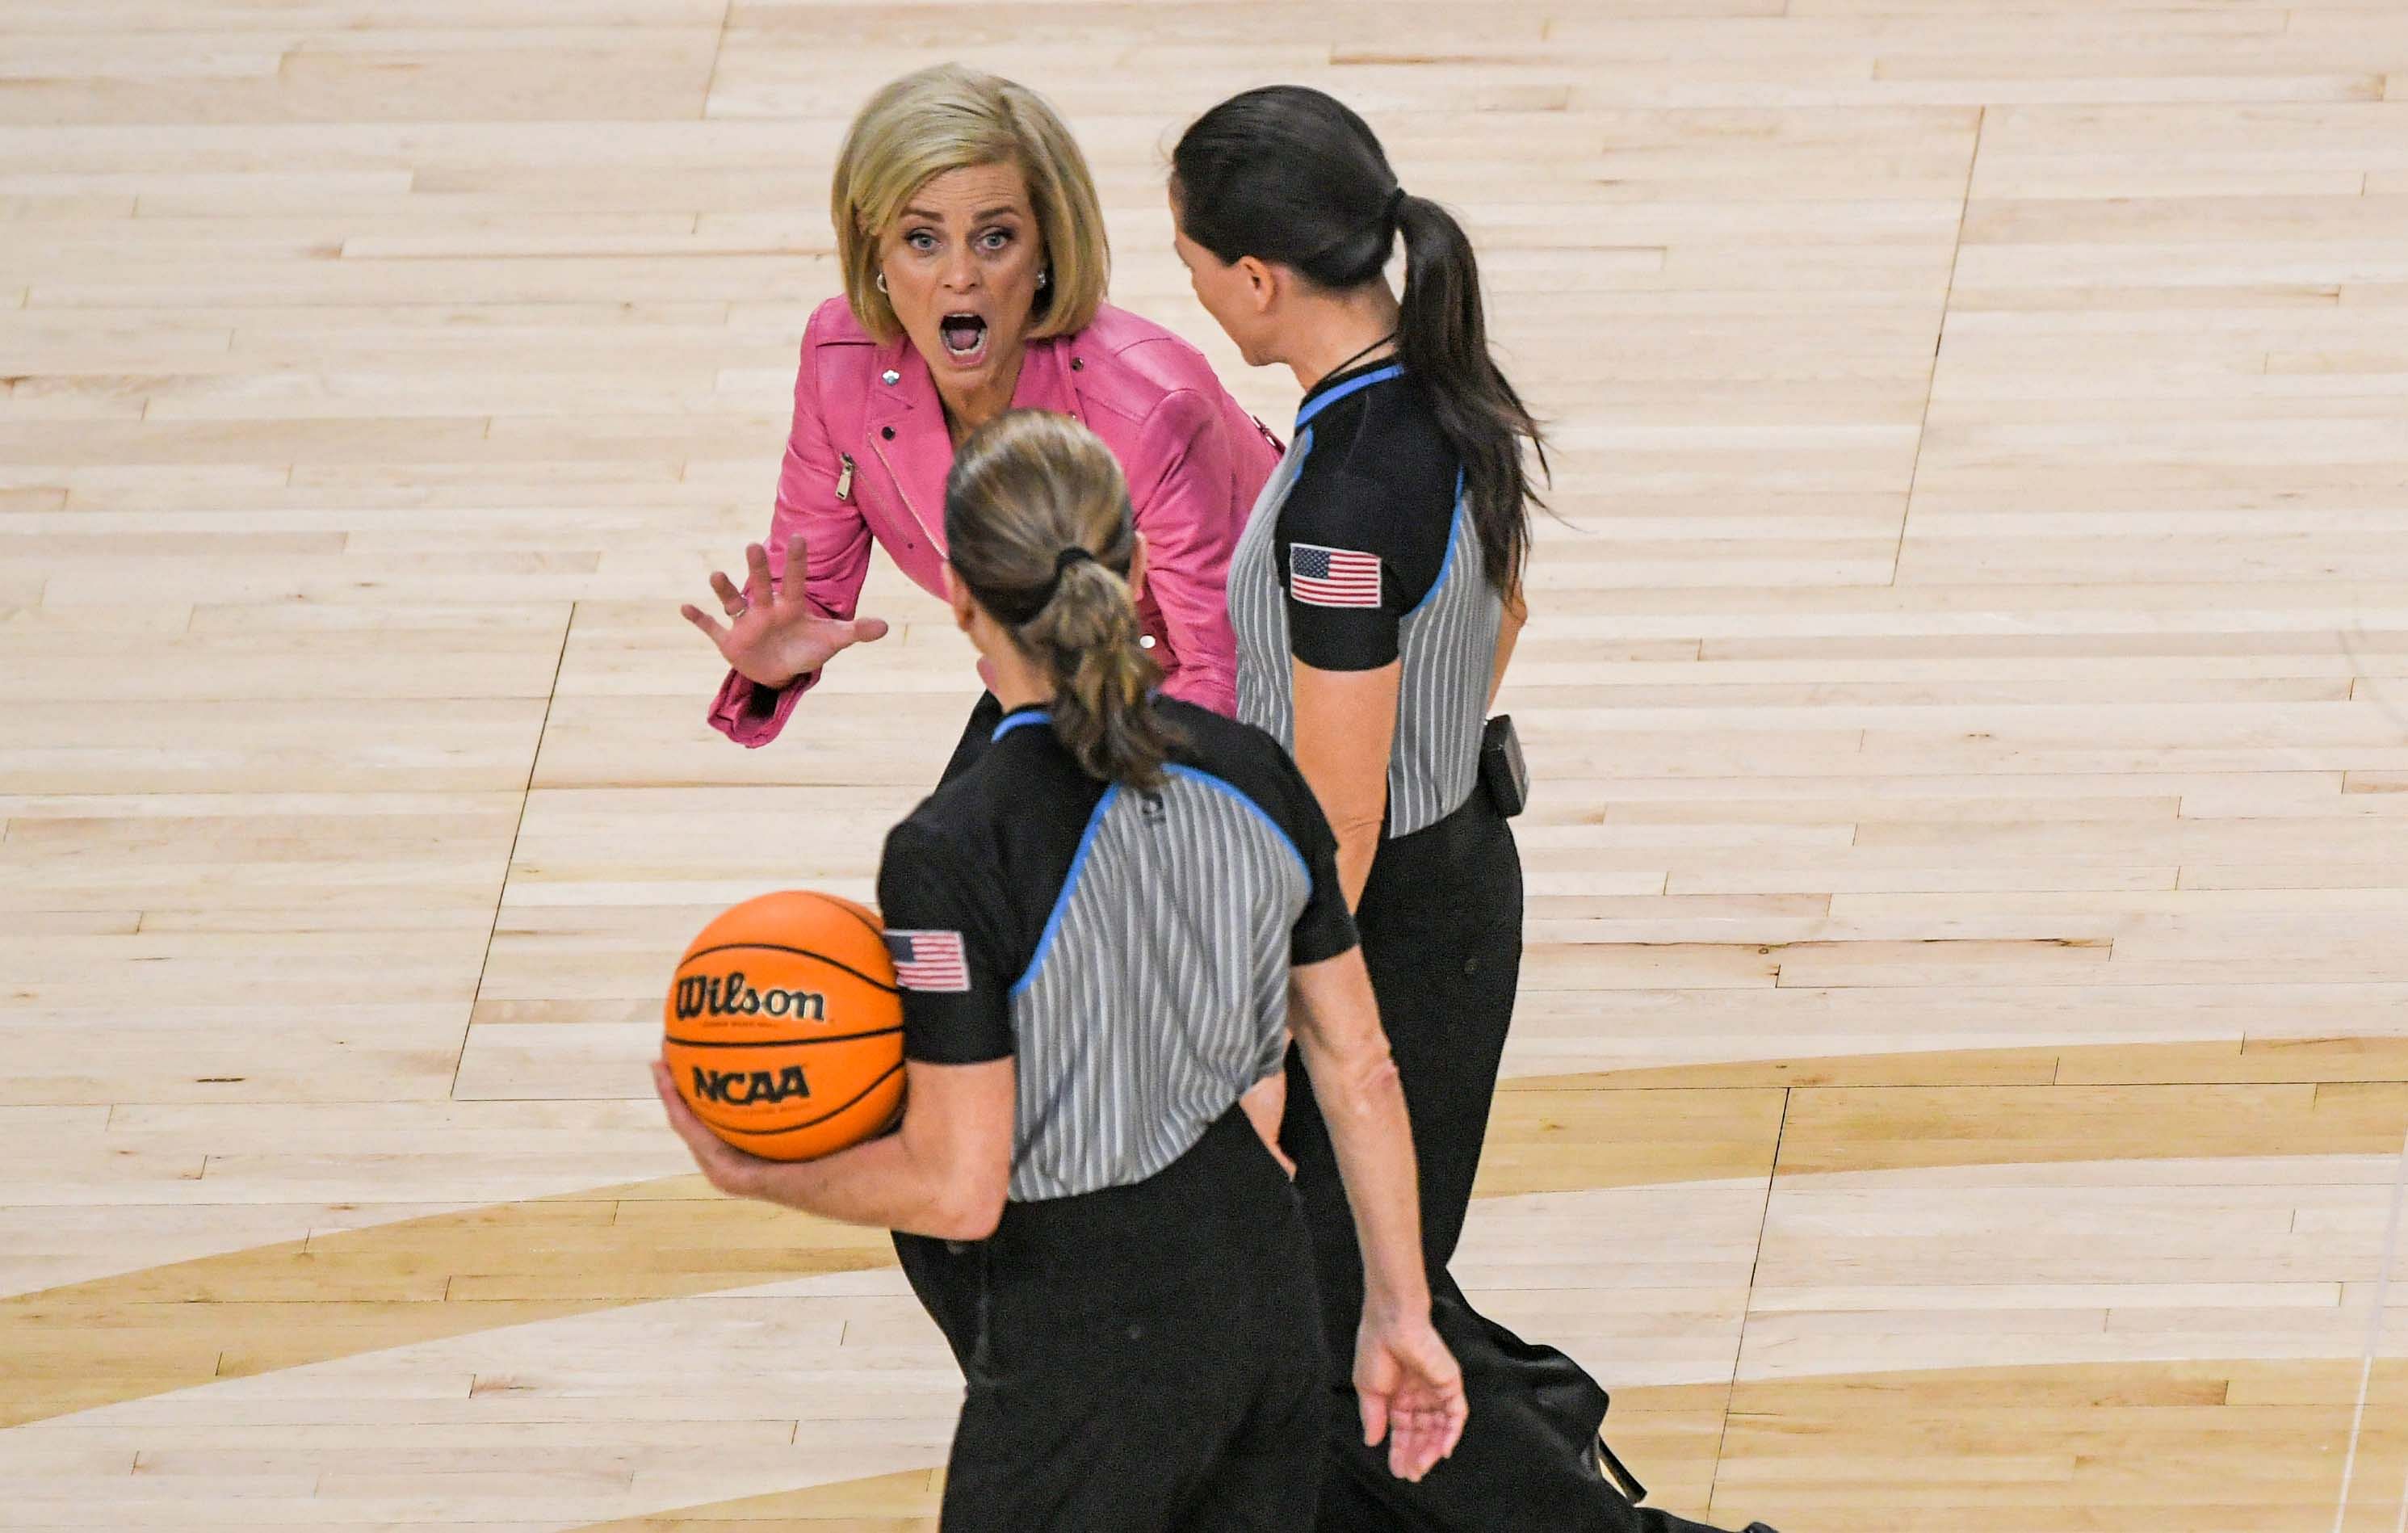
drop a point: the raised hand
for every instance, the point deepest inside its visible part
(774, 636)
(1411, 1391)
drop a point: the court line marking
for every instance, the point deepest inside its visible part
(2374, 1340)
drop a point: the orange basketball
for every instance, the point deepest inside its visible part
(784, 1028)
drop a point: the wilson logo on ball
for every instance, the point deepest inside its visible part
(784, 1026)
(748, 1088)
(714, 996)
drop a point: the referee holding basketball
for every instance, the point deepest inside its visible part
(1104, 928)
(1375, 595)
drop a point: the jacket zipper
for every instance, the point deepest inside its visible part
(903, 495)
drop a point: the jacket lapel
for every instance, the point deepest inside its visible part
(1046, 381)
(919, 453)
(907, 430)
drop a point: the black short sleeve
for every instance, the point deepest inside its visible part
(1350, 573)
(944, 933)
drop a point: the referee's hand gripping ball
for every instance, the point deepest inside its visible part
(728, 1169)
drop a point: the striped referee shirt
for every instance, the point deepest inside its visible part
(1130, 949)
(1361, 551)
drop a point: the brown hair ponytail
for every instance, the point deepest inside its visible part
(1037, 526)
(1292, 175)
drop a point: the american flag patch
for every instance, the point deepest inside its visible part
(1320, 577)
(930, 961)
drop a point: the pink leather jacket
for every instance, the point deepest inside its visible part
(868, 454)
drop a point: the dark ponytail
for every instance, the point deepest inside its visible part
(1037, 524)
(1291, 176)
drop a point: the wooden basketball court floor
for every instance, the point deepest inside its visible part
(1964, 1057)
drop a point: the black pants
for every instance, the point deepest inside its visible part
(1442, 925)
(1146, 1359)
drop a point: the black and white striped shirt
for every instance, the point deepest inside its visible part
(1130, 949)
(1361, 551)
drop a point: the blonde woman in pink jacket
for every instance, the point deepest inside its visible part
(975, 263)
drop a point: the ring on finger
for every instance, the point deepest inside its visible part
(739, 609)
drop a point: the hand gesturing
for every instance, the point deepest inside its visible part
(774, 636)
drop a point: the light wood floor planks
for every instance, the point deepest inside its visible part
(1965, 1042)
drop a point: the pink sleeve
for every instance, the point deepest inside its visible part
(838, 542)
(1181, 486)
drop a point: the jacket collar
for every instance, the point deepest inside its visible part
(920, 453)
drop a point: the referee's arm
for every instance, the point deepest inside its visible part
(1337, 1023)
(1410, 1389)
(944, 1174)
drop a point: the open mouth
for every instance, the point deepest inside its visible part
(965, 336)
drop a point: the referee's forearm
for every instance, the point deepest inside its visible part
(1358, 847)
(880, 1184)
(1373, 1138)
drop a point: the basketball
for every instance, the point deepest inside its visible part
(784, 1028)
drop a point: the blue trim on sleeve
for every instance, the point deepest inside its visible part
(1220, 785)
(1015, 721)
(1446, 566)
(1357, 385)
(1062, 901)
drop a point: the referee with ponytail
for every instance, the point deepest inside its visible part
(1376, 594)
(1143, 900)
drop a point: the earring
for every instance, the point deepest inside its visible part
(882, 281)
(1044, 276)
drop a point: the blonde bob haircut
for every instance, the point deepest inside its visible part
(952, 118)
